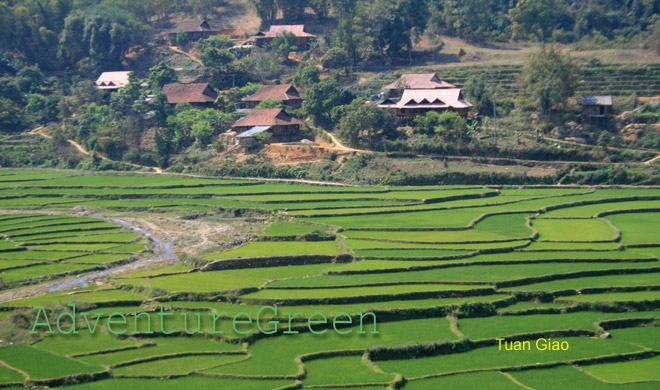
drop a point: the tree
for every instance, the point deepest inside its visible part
(11, 115)
(655, 37)
(448, 125)
(322, 98)
(215, 41)
(29, 79)
(535, 18)
(291, 9)
(218, 58)
(270, 103)
(363, 125)
(98, 37)
(472, 19)
(161, 75)
(202, 131)
(479, 94)
(321, 8)
(263, 65)
(335, 58)
(549, 78)
(181, 38)
(285, 43)
(352, 36)
(266, 9)
(400, 23)
(307, 74)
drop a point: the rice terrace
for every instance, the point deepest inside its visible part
(334, 286)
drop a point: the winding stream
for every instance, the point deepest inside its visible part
(162, 250)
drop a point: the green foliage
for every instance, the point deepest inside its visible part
(42, 109)
(535, 18)
(11, 115)
(98, 38)
(30, 79)
(448, 124)
(285, 43)
(264, 137)
(363, 125)
(549, 78)
(307, 74)
(654, 42)
(479, 94)
(216, 42)
(322, 98)
(181, 38)
(263, 66)
(161, 75)
(213, 57)
(270, 103)
(195, 124)
(335, 58)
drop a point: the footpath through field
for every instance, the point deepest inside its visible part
(40, 131)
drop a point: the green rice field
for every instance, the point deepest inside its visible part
(308, 286)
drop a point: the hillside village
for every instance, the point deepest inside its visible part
(207, 94)
(330, 194)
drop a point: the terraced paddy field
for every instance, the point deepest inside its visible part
(324, 286)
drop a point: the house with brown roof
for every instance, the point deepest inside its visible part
(199, 95)
(282, 126)
(287, 93)
(415, 102)
(201, 29)
(416, 81)
(113, 80)
(265, 38)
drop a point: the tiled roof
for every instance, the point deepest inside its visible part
(429, 98)
(597, 101)
(267, 117)
(278, 92)
(419, 81)
(112, 80)
(191, 93)
(297, 29)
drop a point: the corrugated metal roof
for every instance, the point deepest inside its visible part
(253, 131)
(112, 80)
(429, 98)
(597, 100)
(419, 81)
(296, 29)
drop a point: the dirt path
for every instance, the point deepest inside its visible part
(594, 146)
(192, 57)
(341, 147)
(40, 131)
(651, 161)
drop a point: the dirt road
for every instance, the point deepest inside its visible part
(192, 57)
(341, 147)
